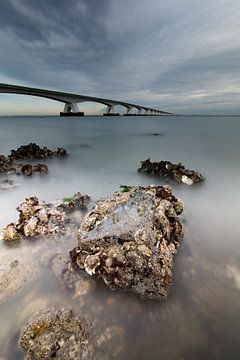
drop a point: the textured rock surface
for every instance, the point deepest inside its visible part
(33, 151)
(11, 165)
(58, 334)
(40, 219)
(129, 240)
(172, 171)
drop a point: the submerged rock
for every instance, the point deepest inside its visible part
(55, 334)
(129, 240)
(58, 334)
(40, 219)
(8, 184)
(170, 170)
(15, 273)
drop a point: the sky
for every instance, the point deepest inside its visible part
(181, 56)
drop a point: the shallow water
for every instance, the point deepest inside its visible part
(201, 318)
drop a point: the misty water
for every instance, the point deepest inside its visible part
(201, 317)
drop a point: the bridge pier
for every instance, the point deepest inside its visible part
(110, 111)
(128, 111)
(71, 109)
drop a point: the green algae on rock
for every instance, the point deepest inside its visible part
(172, 171)
(130, 238)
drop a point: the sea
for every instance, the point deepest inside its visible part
(201, 317)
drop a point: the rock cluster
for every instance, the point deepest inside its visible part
(11, 165)
(40, 218)
(33, 151)
(129, 240)
(58, 334)
(172, 171)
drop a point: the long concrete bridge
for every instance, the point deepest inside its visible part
(71, 101)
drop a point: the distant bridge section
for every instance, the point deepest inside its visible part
(71, 101)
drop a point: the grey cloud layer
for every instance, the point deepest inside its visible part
(182, 55)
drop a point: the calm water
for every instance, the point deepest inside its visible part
(201, 318)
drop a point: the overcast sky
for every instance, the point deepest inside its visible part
(177, 55)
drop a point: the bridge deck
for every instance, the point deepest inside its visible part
(72, 99)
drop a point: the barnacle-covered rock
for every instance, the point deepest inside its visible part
(27, 170)
(33, 151)
(40, 169)
(61, 152)
(129, 240)
(55, 334)
(169, 170)
(39, 218)
(60, 335)
(10, 164)
(10, 233)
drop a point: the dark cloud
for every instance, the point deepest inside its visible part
(178, 55)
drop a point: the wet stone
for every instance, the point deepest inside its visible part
(11, 164)
(33, 151)
(45, 219)
(61, 335)
(129, 240)
(172, 171)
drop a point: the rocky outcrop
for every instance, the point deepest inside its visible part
(11, 164)
(129, 240)
(43, 219)
(32, 151)
(172, 171)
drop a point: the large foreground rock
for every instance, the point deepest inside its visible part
(129, 240)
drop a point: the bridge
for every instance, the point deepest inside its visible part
(71, 101)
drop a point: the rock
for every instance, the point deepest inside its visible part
(11, 164)
(27, 170)
(172, 171)
(58, 334)
(40, 219)
(33, 151)
(40, 169)
(61, 152)
(10, 233)
(55, 334)
(8, 184)
(129, 240)
(77, 201)
(187, 180)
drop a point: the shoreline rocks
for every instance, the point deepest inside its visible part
(169, 170)
(38, 219)
(129, 240)
(11, 164)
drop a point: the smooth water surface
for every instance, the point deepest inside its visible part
(201, 317)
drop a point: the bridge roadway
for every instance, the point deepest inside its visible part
(71, 101)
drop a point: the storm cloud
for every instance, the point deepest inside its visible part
(179, 55)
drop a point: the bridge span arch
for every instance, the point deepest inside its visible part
(71, 101)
